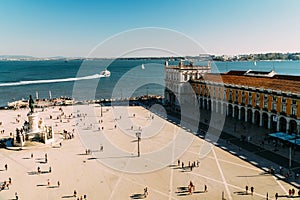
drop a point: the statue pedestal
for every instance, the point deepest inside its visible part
(33, 123)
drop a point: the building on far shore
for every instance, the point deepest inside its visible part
(176, 77)
(263, 98)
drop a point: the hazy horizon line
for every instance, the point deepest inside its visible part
(145, 56)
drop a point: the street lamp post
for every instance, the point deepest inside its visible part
(138, 135)
(101, 110)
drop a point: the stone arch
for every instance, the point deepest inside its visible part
(265, 120)
(282, 124)
(273, 122)
(205, 104)
(224, 108)
(219, 105)
(256, 117)
(243, 113)
(293, 126)
(236, 111)
(209, 105)
(230, 109)
(214, 106)
(201, 103)
(249, 115)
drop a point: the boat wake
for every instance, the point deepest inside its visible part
(95, 76)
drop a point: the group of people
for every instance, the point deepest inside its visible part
(191, 165)
(46, 160)
(79, 198)
(5, 184)
(68, 135)
(251, 189)
(292, 192)
(88, 152)
(191, 188)
(48, 183)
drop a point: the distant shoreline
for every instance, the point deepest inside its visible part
(245, 57)
(67, 101)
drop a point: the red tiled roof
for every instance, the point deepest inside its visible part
(278, 82)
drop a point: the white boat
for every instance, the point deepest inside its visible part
(143, 66)
(105, 73)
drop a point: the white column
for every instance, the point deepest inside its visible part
(212, 106)
(222, 108)
(203, 104)
(278, 121)
(260, 118)
(207, 104)
(287, 125)
(217, 106)
(253, 114)
(233, 112)
(246, 115)
(227, 109)
(240, 113)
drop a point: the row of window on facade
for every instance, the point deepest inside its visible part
(234, 97)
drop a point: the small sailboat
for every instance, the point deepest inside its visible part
(254, 63)
(105, 73)
(143, 66)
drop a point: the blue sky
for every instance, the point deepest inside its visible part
(74, 27)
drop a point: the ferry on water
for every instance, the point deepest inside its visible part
(105, 73)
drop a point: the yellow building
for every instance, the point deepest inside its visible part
(262, 98)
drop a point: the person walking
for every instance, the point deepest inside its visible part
(252, 190)
(145, 191)
(75, 193)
